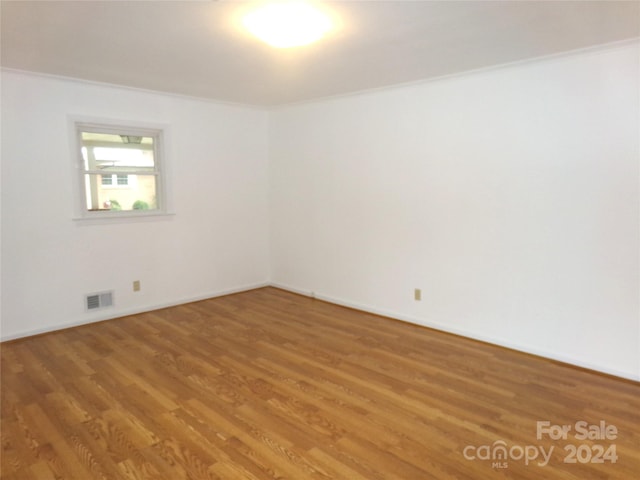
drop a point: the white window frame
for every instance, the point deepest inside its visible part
(160, 134)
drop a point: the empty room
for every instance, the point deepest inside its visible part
(328, 240)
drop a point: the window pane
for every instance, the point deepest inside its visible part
(121, 168)
(139, 193)
(116, 138)
(124, 157)
(105, 151)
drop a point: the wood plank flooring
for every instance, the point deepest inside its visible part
(267, 385)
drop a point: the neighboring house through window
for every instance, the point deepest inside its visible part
(120, 170)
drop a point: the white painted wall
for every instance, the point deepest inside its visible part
(510, 197)
(216, 241)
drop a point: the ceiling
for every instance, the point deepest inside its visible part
(197, 48)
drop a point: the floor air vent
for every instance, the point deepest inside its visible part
(97, 301)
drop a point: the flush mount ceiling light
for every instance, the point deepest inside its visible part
(287, 24)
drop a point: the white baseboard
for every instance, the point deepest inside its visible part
(113, 314)
(338, 301)
(461, 332)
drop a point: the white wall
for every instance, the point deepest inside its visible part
(215, 242)
(510, 197)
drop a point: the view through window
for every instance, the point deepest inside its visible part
(120, 168)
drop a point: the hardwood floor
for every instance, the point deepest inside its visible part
(271, 385)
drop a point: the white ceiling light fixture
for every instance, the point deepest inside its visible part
(287, 24)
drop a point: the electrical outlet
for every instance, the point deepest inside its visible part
(417, 294)
(136, 285)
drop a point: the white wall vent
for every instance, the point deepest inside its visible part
(97, 301)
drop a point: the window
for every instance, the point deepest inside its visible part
(120, 170)
(115, 180)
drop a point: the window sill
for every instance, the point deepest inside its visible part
(104, 218)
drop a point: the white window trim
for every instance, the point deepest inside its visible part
(161, 132)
